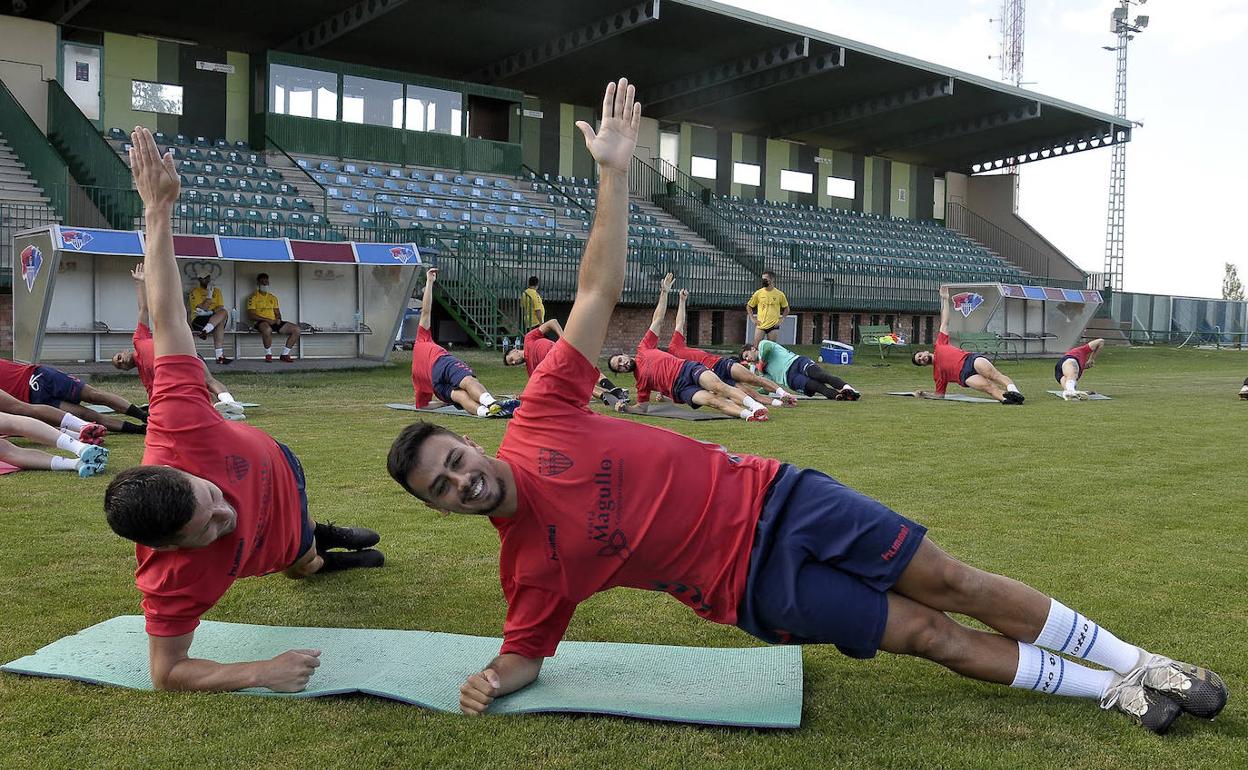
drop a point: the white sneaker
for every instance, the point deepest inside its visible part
(1243, 392)
(230, 410)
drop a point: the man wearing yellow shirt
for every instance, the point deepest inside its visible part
(531, 308)
(767, 308)
(208, 315)
(265, 314)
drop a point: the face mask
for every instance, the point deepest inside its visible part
(264, 288)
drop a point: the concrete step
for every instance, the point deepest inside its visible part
(14, 175)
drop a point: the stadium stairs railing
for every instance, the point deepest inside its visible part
(1026, 257)
(270, 141)
(92, 162)
(569, 201)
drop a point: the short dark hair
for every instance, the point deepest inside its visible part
(149, 504)
(405, 450)
(262, 277)
(768, 272)
(611, 366)
(914, 358)
(532, 280)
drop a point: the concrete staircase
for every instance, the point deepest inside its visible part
(22, 205)
(16, 184)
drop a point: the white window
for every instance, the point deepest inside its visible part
(746, 173)
(797, 181)
(303, 92)
(702, 167)
(423, 113)
(839, 187)
(155, 97)
(375, 102)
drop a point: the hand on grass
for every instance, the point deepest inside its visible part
(478, 692)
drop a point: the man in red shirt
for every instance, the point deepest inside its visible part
(968, 369)
(141, 356)
(583, 503)
(436, 372)
(537, 345)
(684, 382)
(213, 501)
(1071, 366)
(48, 386)
(727, 369)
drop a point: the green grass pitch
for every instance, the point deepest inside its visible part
(1134, 511)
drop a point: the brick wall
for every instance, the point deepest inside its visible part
(629, 324)
(6, 321)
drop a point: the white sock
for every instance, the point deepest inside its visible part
(225, 397)
(779, 393)
(285, 350)
(777, 402)
(1052, 674)
(208, 328)
(219, 352)
(483, 411)
(1012, 388)
(1071, 386)
(71, 422)
(70, 444)
(268, 351)
(486, 399)
(745, 414)
(64, 463)
(752, 405)
(1070, 633)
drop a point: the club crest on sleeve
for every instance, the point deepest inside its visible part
(552, 462)
(237, 467)
(32, 260)
(967, 302)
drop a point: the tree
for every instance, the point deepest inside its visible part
(1231, 286)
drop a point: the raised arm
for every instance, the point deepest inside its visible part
(426, 299)
(682, 295)
(140, 290)
(601, 277)
(660, 308)
(944, 309)
(552, 325)
(173, 669)
(158, 186)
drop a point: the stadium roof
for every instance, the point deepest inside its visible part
(693, 60)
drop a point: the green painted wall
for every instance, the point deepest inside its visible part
(566, 139)
(237, 96)
(901, 181)
(777, 158)
(126, 58)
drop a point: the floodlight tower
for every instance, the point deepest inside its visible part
(1115, 223)
(1013, 15)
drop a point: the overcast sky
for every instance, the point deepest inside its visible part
(1185, 167)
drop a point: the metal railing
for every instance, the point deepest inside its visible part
(36, 153)
(1008, 246)
(91, 160)
(270, 141)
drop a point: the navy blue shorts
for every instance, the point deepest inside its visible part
(796, 375)
(307, 533)
(723, 370)
(51, 386)
(968, 368)
(447, 372)
(824, 557)
(1057, 370)
(686, 384)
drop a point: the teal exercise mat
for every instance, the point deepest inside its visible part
(744, 687)
(1092, 396)
(948, 397)
(670, 411)
(101, 409)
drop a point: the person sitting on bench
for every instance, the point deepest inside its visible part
(208, 315)
(265, 314)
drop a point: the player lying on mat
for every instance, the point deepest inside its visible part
(142, 358)
(88, 459)
(1071, 366)
(968, 369)
(74, 427)
(537, 344)
(584, 503)
(436, 372)
(797, 373)
(213, 501)
(684, 382)
(47, 386)
(727, 369)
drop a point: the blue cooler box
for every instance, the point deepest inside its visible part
(836, 353)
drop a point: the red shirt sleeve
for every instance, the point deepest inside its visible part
(533, 335)
(144, 357)
(564, 380)
(938, 376)
(536, 620)
(174, 598)
(181, 406)
(651, 340)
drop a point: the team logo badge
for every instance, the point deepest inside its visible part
(237, 467)
(77, 239)
(403, 254)
(967, 302)
(32, 260)
(551, 462)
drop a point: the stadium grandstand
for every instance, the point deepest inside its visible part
(861, 177)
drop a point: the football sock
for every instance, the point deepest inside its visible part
(486, 399)
(745, 414)
(129, 427)
(777, 402)
(225, 397)
(71, 422)
(209, 327)
(63, 463)
(483, 411)
(70, 444)
(219, 352)
(1070, 633)
(751, 404)
(268, 351)
(136, 412)
(285, 350)
(1052, 674)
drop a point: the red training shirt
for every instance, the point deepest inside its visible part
(144, 356)
(605, 502)
(947, 363)
(654, 369)
(15, 379)
(678, 348)
(536, 348)
(184, 431)
(1080, 354)
(424, 353)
